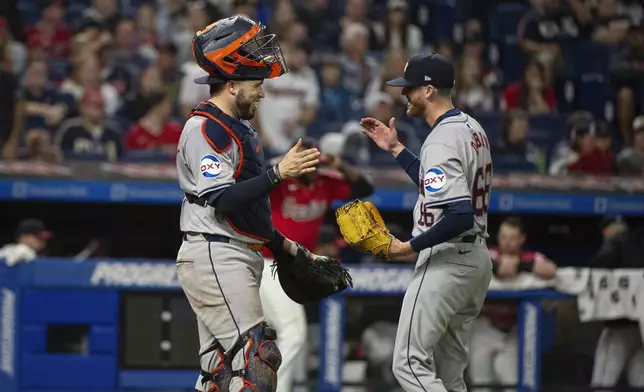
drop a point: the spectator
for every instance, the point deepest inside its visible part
(14, 52)
(104, 13)
(493, 357)
(446, 48)
(470, 94)
(140, 100)
(630, 160)
(87, 75)
(380, 106)
(291, 100)
(31, 239)
(245, 7)
(44, 107)
(195, 16)
(295, 32)
(334, 98)
(358, 69)
(8, 100)
(169, 66)
(51, 31)
(394, 66)
(155, 131)
(283, 17)
(191, 94)
(599, 158)
(319, 20)
(627, 71)
(90, 135)
(356, 11)
(583, 152)
(532, 93)
(396, 32)
(547, 25)
(515, 144)
(620, 342)
(146, 30)
(610, 25)
(126, 54)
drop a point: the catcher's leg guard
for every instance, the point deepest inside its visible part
(261, 359)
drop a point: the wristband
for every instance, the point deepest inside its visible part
(274, 175)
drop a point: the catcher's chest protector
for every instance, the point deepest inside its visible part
(256, 219)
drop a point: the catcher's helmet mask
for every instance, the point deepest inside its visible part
(237, 48)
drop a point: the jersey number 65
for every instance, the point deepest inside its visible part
(481, 190)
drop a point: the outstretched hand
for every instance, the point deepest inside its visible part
(385, 137)
(299, 161)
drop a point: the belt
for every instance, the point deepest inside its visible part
(225, 240)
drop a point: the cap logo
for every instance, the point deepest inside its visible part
(428, 79)
(406, 65)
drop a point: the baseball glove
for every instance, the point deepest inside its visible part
(363, 228)
(307, 277)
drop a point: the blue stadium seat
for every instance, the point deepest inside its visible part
(444, 17)
(491, 123)
(513, 163)
(29, 12)
(582, 58)
(503, 21)
(593, 93)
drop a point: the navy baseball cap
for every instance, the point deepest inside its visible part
(426, 69)
(34, 227)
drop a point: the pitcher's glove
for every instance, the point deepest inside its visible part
(307, 277)
(363, 228)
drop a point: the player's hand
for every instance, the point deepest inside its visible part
(399, 248)
(385, 137)
(298, 161)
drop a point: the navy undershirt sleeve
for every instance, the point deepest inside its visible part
(457, 219)
(410, 163)
(239, 195)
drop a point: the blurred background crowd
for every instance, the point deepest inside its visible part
(111, 80)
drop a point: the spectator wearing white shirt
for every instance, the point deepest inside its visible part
(290, 101)
(358, 68)
(31, 239)
(397, 32)
(190, 93)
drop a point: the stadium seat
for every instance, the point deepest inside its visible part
(503, 21)
(443, 19)
(513, 163)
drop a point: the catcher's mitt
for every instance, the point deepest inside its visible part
(307, 277)
(363, 228)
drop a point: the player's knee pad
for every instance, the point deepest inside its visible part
(261, 360)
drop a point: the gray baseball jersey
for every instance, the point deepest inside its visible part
(201, 169)
(455, 165)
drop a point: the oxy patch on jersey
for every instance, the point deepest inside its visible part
(210, 166)
(434, 180)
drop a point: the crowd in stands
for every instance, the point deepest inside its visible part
(557, 84)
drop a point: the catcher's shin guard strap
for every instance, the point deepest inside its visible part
(261, 359)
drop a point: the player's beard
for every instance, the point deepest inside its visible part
(246, 108)
(416, 108)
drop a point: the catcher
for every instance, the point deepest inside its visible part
(226, 215)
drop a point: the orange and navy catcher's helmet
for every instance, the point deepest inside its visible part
(237, 48)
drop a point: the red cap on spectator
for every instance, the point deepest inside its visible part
(93, 97)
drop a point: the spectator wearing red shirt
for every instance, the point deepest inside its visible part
(299, 207)
(493, 358)
(155, 131)
(599, 158)
(50, 32)
(531, 94)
